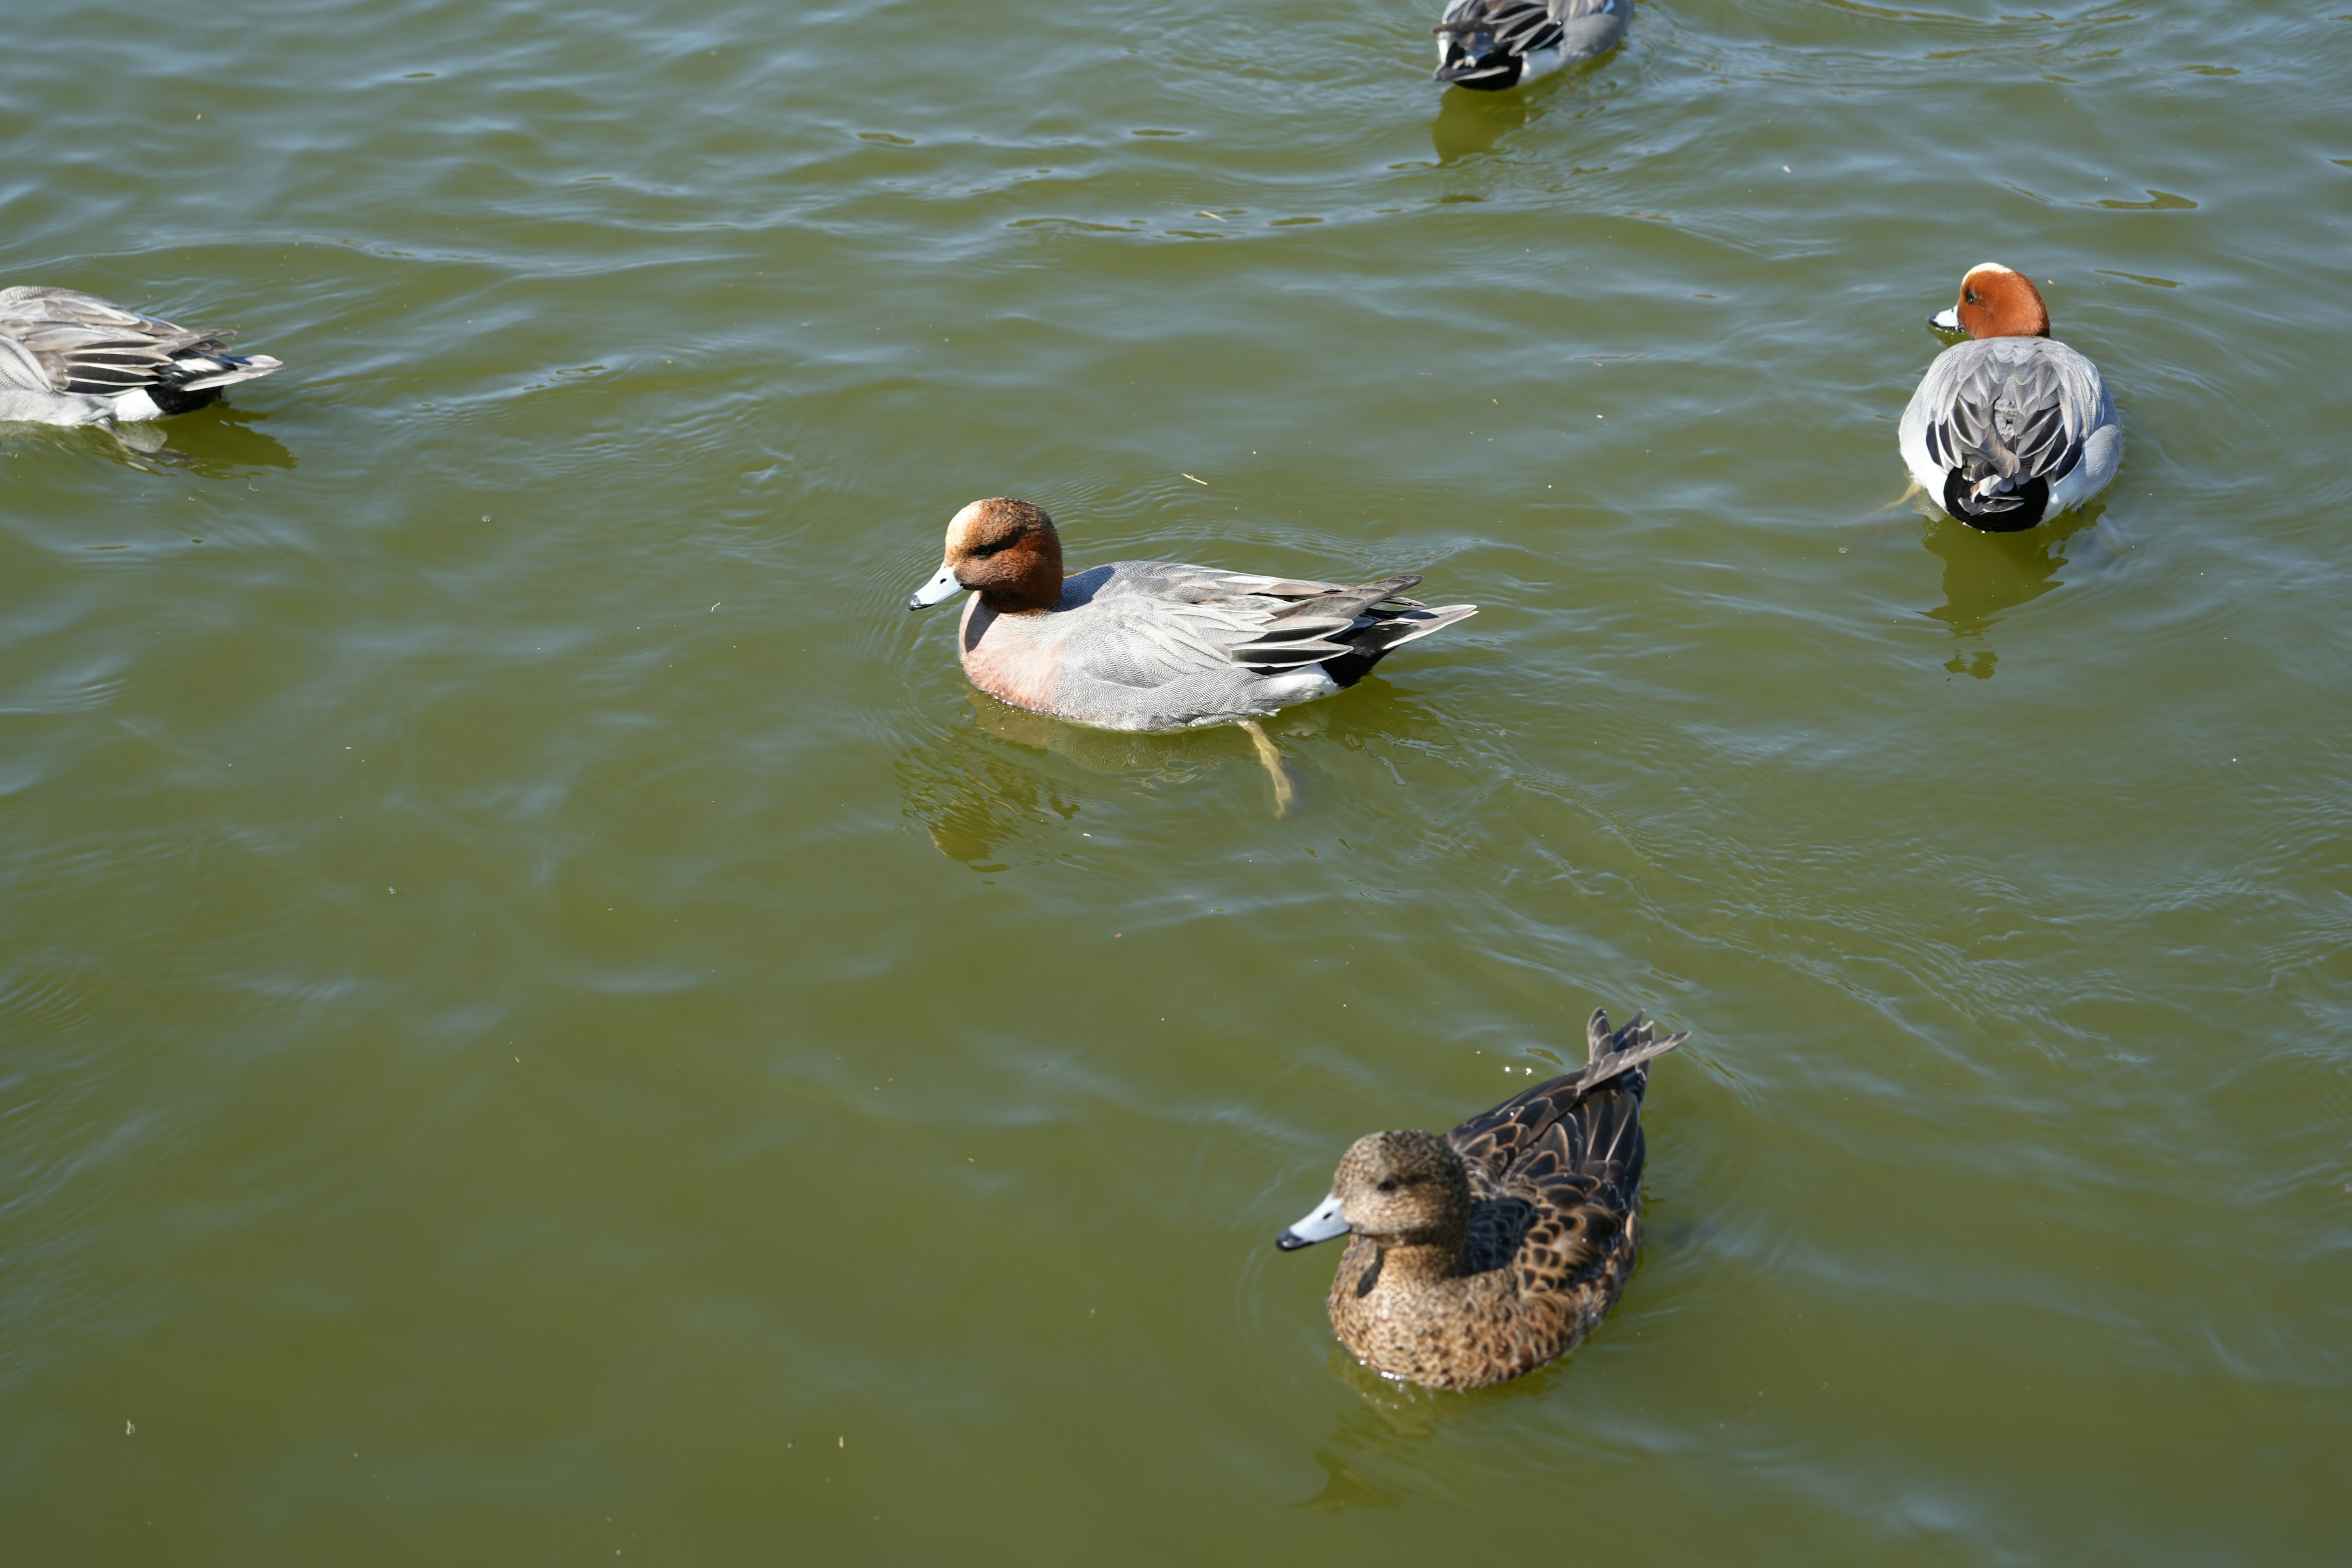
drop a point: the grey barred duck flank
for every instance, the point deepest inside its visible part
(2011, 427)
(1479, 1256)
(1493, 45)
(1156, 645)
(67, 358)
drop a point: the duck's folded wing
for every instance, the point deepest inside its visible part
(24, 306)
(80, 343)
(19, 371)
(1326, 622)
(2009, 418)
(1496, 1144)
(1515, 27)
(1580, 1182)
(1203, 585)
(1150, 624)
(1150, 640)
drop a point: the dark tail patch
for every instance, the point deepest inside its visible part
(1491, 73)
(2010, 512)
(174, 400)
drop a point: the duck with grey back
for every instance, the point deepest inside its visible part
(2011, 427)
(1155, 645)
(70, 358)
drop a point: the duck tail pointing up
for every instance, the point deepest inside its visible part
(1412, 625)
(1610, 1055)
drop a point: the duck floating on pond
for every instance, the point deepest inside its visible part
(1481, 1255)
(67, 358)
(1155, 645)
(2011, 427)
(1492, 45)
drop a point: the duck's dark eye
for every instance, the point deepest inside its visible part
(1387, 1186)
(1972, 298)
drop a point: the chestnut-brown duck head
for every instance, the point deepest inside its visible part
(1995, 302)
(1005, 551)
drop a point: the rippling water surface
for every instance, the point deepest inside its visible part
(540, 1019)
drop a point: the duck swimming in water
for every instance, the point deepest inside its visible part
(74, 359)
(2011, 427)
(1156, 645)
(1491, 45)
(1481, 1255)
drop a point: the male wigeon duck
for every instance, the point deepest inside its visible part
(1491, 45)
(2011, 427)
(1481, 1255)
(1153, 644)
(73, 359)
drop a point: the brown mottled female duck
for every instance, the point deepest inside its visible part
(1481, 1255)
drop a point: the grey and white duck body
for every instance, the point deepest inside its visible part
(1156, 645)
(1479, 1256)
(68, 358)
(2011, 427)
(1490, 46)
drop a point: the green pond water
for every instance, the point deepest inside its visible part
(540, 1020)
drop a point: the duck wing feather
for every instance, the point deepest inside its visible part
(1556, 1169)
(2006, 411)
(1150, 624)
(1484, 27)
(1324, 624)
(1514, 27)
(78, 343)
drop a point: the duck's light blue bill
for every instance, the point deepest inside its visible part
(1325, 1223)
(1947, 320)
(942, 586)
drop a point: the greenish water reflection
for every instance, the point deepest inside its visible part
(541, 1019)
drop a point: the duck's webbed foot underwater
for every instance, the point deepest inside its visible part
(140, 436)
(1284, 792)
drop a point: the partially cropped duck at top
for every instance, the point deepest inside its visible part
(1481, 1255)
(1491, 45)
(2011, 427)
(1153, 644)
(73, 359)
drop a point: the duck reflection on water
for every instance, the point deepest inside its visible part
(1376, 1445)
(1016, 776)
(1473, 124)
(216, 442)
(978, 798)
(1986, 576)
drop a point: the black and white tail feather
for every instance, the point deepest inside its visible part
(1492, 45)
(1345, 630)
(70, 358)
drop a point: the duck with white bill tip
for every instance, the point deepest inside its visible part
(1156, 645)
(2011, 427)
(1479, 1256)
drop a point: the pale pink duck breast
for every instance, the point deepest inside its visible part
(1156, 645)
(1481, 1255)
(2011, 427)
